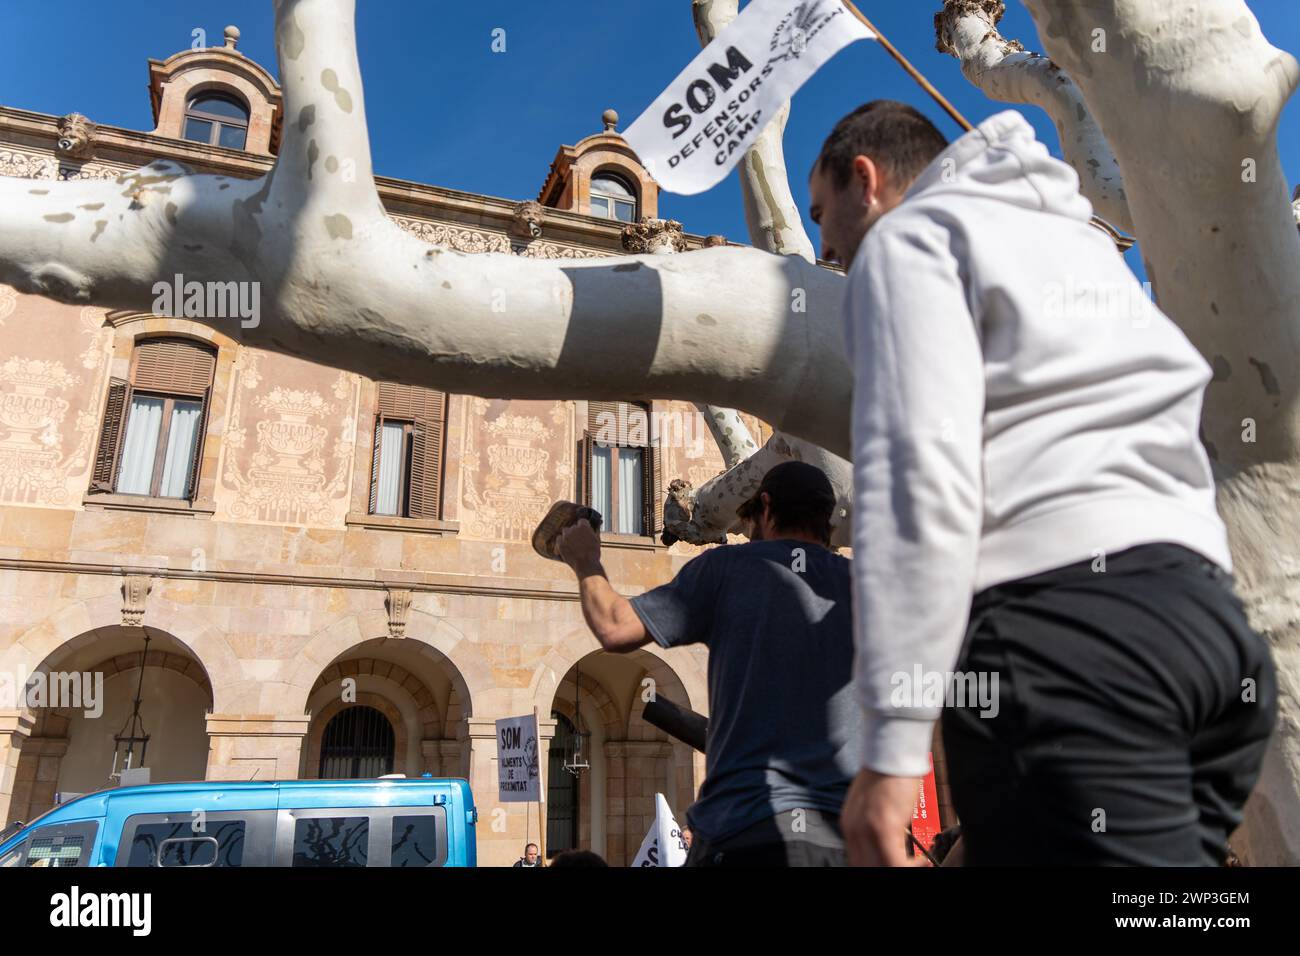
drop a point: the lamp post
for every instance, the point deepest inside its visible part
(132, 732)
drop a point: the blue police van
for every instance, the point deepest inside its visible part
(384, 822)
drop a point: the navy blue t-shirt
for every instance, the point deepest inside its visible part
(785, 731)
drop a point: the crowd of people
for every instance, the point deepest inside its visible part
(1031, 503)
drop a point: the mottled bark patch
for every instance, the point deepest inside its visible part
(59, 217)
(293, 40)
(339, 226)
(330, 80)
(1266, 377)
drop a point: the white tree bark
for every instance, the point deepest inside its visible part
(704, 515)
(1189, 96)
(339, 282)
(968, 29)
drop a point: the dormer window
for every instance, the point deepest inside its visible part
(612, 198)
(218, 120)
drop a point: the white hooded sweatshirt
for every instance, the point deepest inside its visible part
(1019, 405)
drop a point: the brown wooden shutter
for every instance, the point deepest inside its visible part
(595, 424)
(426, 409)
(173, 365)
(586, 445)
(426, 468)
(654, 488)
(196, 468)
(374, 464)
(110, 437)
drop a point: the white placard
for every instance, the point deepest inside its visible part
(698, 129)
(518, 776)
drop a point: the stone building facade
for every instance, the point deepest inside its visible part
(333, 574)
(298, 543)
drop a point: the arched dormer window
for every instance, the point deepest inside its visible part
(217, 119)
(612, 198)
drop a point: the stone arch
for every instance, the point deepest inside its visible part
(579, 643)
(69, 744)
(437, 640)
(310, 769)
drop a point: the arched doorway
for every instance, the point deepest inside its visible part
(562, 790)
(358, 742)
(413, 686)
(626, 761)
(73, 746)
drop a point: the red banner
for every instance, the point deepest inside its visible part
(925, 815)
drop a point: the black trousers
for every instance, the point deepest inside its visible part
(776, 841)
(1134, 707)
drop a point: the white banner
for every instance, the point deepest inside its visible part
(665, 833)
(698, 129)
(518, 778)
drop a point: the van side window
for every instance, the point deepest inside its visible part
(178, 844)
(331, 841)
(415, 841)
(225, 838)
(62, 844)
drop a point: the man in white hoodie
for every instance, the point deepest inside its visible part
(1037, 553)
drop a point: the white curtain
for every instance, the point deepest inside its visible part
(391, 443)
(629, 491)
(600, 487)
(135, 473)
(182, 443)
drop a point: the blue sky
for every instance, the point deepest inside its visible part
(444, 109)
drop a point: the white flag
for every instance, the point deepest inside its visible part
(663, 844)
(700, 127)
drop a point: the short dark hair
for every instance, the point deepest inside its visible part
(801, 499)
(895, 135)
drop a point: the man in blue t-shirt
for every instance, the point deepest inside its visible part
(785, 732)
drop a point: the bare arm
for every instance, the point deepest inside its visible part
(609, 615)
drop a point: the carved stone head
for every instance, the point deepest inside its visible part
(528, 219)
(76, 136)
(655, 236)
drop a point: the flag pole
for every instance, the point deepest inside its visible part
(1123, 242)
(912, 71)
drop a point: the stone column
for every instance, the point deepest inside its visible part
(636, 771)
(15, 728)
(441, 757)
(503, 828)
(256, 746)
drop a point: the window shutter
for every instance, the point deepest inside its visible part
(585, 447)
(599, 415)
(426, 468)
(374, 464)
(110, 437)
(654, 489)
(426, 409)
(173, 365)
(196, 468)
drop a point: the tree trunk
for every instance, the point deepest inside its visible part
(1189, 96)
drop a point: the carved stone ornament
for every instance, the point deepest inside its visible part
(398, 603)
(135, 588)
(76, 137)
(528, 219)
(655, 236)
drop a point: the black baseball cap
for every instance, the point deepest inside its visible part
(788, 483)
